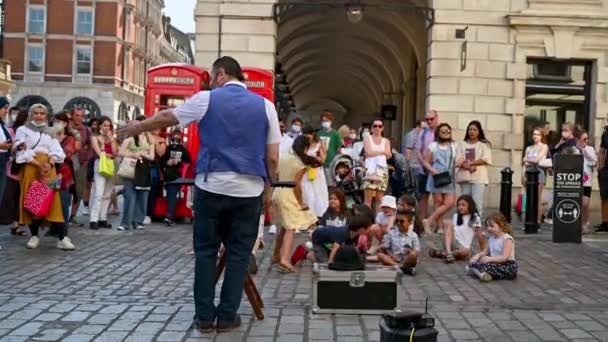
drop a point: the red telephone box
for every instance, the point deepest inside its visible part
(260, 81)
(170, 85)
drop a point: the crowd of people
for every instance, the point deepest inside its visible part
(330, 166)
(57, 164)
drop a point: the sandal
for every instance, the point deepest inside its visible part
(16, 231)
(434, 253)
(449, 258)
(286, 268)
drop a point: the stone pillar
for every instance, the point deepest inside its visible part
(479, 91)
(244, 30)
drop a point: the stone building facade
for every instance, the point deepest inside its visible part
(89, 54)
(511, 64)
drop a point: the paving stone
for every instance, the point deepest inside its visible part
(25, 314)
(11, 323)
(76, 316)
(348, 330)
(28, 329)
(290, 338)
(575, 333)
(113, 336)
(89, 329)
(171, 336)
(50, 335)
(62, 307)
(78, 338)
(48, 317)
(139, 338)
(102, 318)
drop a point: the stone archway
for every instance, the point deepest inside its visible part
(91, 108)
(27, 101)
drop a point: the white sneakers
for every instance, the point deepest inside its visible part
(65, 244)
(33, 243)
(147, 220)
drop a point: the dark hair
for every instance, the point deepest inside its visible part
(340, 195)
(363, 210)
(140, 118)
(418, 123)
(63, 116)
(482, 135)
(411, 201)
(300, 144)
(361, 220)
(437, 135)
(410, 214)
(308, 129)
(472, 208)
(92, 121)
(21, 118)
(230, 66)
(297, 119)
(104, 119)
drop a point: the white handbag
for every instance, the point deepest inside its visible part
(127, 168)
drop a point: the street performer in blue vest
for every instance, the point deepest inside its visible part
(237, 159)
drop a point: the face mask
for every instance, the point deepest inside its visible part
(296, 128)
(38, 125)
(59, 125)
(13, 117)
(353, 136)
(326, 124)
(365, 135)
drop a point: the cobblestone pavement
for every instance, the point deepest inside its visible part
(136, 286)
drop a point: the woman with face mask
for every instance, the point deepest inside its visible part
(38, 153)
(287, 139)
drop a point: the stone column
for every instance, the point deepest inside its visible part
(244, 30)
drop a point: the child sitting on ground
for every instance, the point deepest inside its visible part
(459, 235)
(385, 220)
(401, 245)
(336, 215)
(497, 261)
(327, 240)
(408, 202)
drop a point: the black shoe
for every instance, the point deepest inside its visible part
(169, 222)
(408, 270)
(93, 225)
(602, 228)
(104, 224)
(204, 327)
(253, 265)
(223, 326)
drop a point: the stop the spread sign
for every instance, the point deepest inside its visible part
(567, 196)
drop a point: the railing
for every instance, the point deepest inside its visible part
(34, 78)
(82, 79)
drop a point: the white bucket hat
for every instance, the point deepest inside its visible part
(389, 202)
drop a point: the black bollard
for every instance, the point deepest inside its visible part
(531, 225)
(506, 185)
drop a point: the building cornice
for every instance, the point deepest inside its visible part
(530, 18)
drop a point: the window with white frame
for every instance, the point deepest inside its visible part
(36, 19)
(35, 58)
(83, 60)
(84, 21)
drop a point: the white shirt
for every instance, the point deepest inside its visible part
(285, 144)
(497, 244)
(45, 144)
(227, 183)
(465, 232)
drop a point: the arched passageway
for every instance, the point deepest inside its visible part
(351, 58)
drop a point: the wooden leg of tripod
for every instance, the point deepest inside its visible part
(250, 290)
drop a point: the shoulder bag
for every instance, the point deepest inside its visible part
(444, 178)
(15, 167)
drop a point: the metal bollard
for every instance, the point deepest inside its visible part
(531, 225)
(506, 184)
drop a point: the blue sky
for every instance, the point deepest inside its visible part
(181, 13)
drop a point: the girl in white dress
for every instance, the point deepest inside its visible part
(314, 184)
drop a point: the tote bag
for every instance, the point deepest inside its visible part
(126, 169)
(106, 166)
(38, 199)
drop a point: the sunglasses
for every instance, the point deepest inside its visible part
(377, 126)
(429, 119)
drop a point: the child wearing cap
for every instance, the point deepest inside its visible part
(385, 220)
(400, 246)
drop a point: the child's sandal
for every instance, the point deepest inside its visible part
(449, 258)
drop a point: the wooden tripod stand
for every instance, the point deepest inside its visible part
(250, 290)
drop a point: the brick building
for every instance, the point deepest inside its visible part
(92, 54)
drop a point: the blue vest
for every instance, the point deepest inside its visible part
(233, 133)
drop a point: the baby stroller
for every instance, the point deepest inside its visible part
(348, 178)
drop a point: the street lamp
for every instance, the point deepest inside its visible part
(354, 12)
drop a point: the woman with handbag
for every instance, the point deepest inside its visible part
(377, 151)
(38, 153)
(473, 158)
(137, 152)
(105, 147)
(439, 161)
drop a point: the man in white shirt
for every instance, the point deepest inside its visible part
(238, 151)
